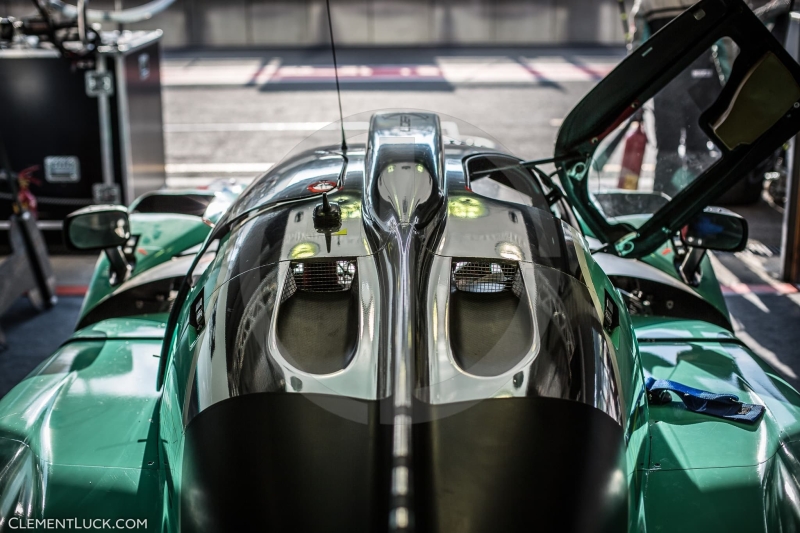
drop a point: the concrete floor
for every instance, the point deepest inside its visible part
(233, 114)
(250, 109)
(766, 315)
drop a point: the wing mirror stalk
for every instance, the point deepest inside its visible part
(715, 228)
(101, 227)
(689, 266)
(119, 265)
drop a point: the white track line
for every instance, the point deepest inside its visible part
(727, 278)
(261, 126)
(267, 72)
(194, 175)
(217, 168)
(452, 70)
(195, 182)
(448, 127)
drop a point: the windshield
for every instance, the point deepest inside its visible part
(660, 150)
(316, 164)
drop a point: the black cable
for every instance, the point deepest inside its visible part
(51, 32)
(555, 193)
(336, 74)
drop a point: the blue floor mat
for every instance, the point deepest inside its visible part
(32, 336)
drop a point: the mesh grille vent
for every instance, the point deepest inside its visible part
(319, 276)
(486, 277)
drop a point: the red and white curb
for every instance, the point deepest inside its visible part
(71, 290)
(492, 71)
(759, 289)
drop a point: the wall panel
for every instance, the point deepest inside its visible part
(219, 23)
(521, 22)
(402, 22)
(279, 22)
(352, 22)
(302, 23)
(174, 22)
(463, 22)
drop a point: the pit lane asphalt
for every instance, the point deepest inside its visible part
(230, 114)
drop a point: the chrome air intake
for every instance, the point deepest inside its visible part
(490, 324)
(487, 277)
(404, 168)
(319, 276)
(317, 324)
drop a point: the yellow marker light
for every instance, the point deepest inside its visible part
(304, 250)
(420, 169)
(349, 207)
(506, 250)
(466, 207)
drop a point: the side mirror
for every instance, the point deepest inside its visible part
(101, 227)
(97, 227)
(716, 228)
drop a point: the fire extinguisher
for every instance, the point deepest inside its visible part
(633, 156)
(25, 198)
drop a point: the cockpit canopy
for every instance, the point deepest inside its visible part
(501, 296)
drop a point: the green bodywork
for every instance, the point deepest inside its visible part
(90, 435)
(80, 433)
(162, 237)
(707, 474)
(87, 434)
(79, 436)
(708, 288)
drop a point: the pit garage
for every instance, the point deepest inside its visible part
(453, 206)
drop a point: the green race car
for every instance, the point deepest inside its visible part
(415, 330)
